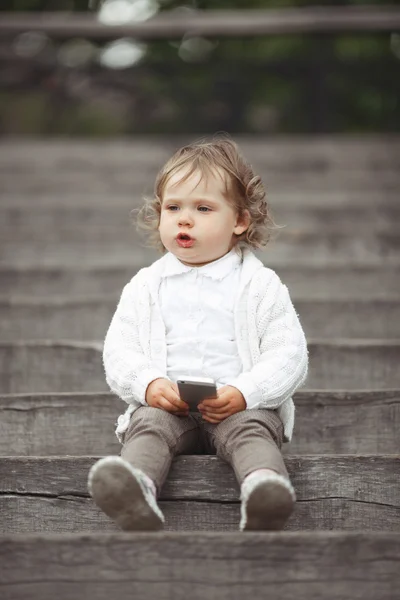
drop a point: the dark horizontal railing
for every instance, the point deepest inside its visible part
(322, 92)
(210, 23)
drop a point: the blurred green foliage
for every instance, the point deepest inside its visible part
(289, 83)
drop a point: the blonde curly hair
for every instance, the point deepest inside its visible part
(244, 190)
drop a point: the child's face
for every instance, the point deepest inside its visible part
(199, 208)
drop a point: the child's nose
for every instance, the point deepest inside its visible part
(185, 217)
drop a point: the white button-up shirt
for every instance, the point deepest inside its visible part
(197, 306)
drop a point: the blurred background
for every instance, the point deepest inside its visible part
(299, 83)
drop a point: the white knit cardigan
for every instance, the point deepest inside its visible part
(270, 340)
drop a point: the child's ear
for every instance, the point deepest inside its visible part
(242, 223)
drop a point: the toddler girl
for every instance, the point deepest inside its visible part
(210, 308)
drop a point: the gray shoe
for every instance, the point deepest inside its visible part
(122, 492)
(267, 502)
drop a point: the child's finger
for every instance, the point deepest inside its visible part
(176, 401)
(214, 403)
(169, 406)
(182, 413)
(214, 418)
(215, 409)
(221, 414)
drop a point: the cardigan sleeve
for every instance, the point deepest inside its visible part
(128, 371)
(283, 363)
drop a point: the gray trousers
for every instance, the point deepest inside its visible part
(248, 440)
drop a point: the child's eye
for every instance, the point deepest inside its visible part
(200, 207)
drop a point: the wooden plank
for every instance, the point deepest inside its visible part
(56, 318)
(340, 165)
(377, 206)
(326, 423)
(285, 154)
(353, 364)
(51, 366)
(131, 181)
(347, 281)
(60, 218)
(89, 232)
(294, 246)
(89, 318)
(177, 566)
(74, 281)
(346, 423)
(36, 424)
(65, 366)
(210, 23)
(349, 318)
(333, 492)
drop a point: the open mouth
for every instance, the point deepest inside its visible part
(184, 240)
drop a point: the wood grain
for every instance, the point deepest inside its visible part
(375, 281)
(330, 167)
(177, 566)
(328, 422)
(89, 318)
(201, 493)
(66, 366)
(296, 247)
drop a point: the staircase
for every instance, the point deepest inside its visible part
(67, 249)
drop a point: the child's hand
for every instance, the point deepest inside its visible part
(229, 402)
(163, 393)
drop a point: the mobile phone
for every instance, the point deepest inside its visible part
(193, 390)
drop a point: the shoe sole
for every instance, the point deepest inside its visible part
(268, 507)
(119, 495)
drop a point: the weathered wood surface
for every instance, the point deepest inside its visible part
(296, 153)
(377, 206)
(210, 23)
(89, 318)
(69, 244)
(177, 566)
(362, 422)
(296, 246)
(346, 423)
(337, 164)
(51, 367)
(201, 492)
(48, 366)
(95, 227)
(334, 492)
(328, 281)
(136, 183)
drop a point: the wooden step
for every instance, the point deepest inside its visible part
(319, 205)
(98, 222)
(48, 366)
(218, 566)
(89, 318)
(296, 246)
(201, 493)
(138, 180)
(329, 422)
(284, 153)
(346, 281)
(39, 166)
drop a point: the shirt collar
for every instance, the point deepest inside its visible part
(218, 269)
